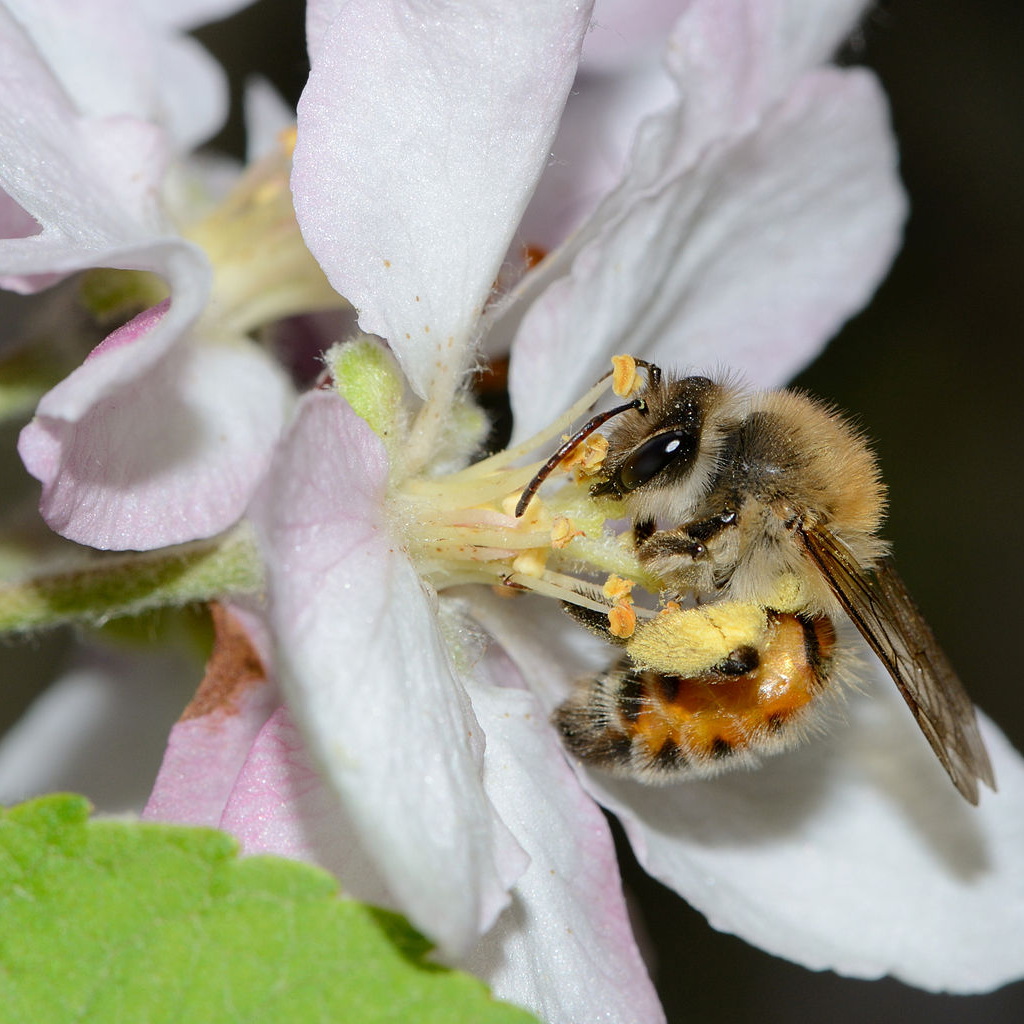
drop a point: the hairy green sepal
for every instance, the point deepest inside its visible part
(102, 586)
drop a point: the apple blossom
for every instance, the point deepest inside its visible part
(756, 210)
(755, 213)
(161, 435)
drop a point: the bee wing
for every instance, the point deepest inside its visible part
(882, 609)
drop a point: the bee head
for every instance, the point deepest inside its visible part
(662, 440)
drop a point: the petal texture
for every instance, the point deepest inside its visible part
(170, 456)
(750, 258)
(853, 853)
(281, 804)
(734, 59)
(368, 677)
(564, 948)
(114, 58)
(208, 746)
(92, 184)
(423, 129)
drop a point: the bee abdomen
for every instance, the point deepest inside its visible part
(663, 727)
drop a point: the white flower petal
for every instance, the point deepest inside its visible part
(588, 155)
(627, 33)
(732, 59)
(853, 853)
(369, 679)
(422, 132)
(209, 744)
(267, 115)
(162, 457)
(280, 804)
(750, 259)
(564, 948)
(92, 184)
(113, 59)
(98, 730)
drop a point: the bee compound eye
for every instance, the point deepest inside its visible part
(673, 447)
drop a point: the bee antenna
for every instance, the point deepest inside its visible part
(568, 446)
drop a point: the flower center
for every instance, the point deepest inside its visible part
(460, 525)
(262, 269)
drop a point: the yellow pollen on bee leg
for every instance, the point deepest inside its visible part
(621, 620)
(623, 375)
(562, 532)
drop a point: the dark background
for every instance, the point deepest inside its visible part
(933, 371)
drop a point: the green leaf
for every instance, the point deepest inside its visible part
(114, 921)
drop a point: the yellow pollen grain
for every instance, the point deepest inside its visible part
(623, 375)
(586, 458)
(670, 607)
(531, 563)
(592, 454)
(562, 532)
(617, 589)
(621, 620)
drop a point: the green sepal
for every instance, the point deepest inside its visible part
(99, 586)
(368, 378)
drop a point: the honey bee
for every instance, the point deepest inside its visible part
(761, 510)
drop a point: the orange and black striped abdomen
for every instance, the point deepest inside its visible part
(655, 725)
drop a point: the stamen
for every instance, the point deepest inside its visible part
(622, 620)
(618, 589)
(263, 270)
(624, 375)
(473, 525)
(563, 532)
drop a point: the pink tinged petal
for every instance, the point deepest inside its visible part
(564, 948)
(98, 730)
(370, 682)
(15, 221)
(133, 349)
(749, 259)
(172, 455)
(92, 184)
(208, 746)
(733, 59)
(113, 59)
(625, 33)
(280, 804)
(422, 132)
(853, 853)
(590, 150)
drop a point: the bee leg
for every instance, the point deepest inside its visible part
(643, 530)
(670, 545)
(594, 621)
